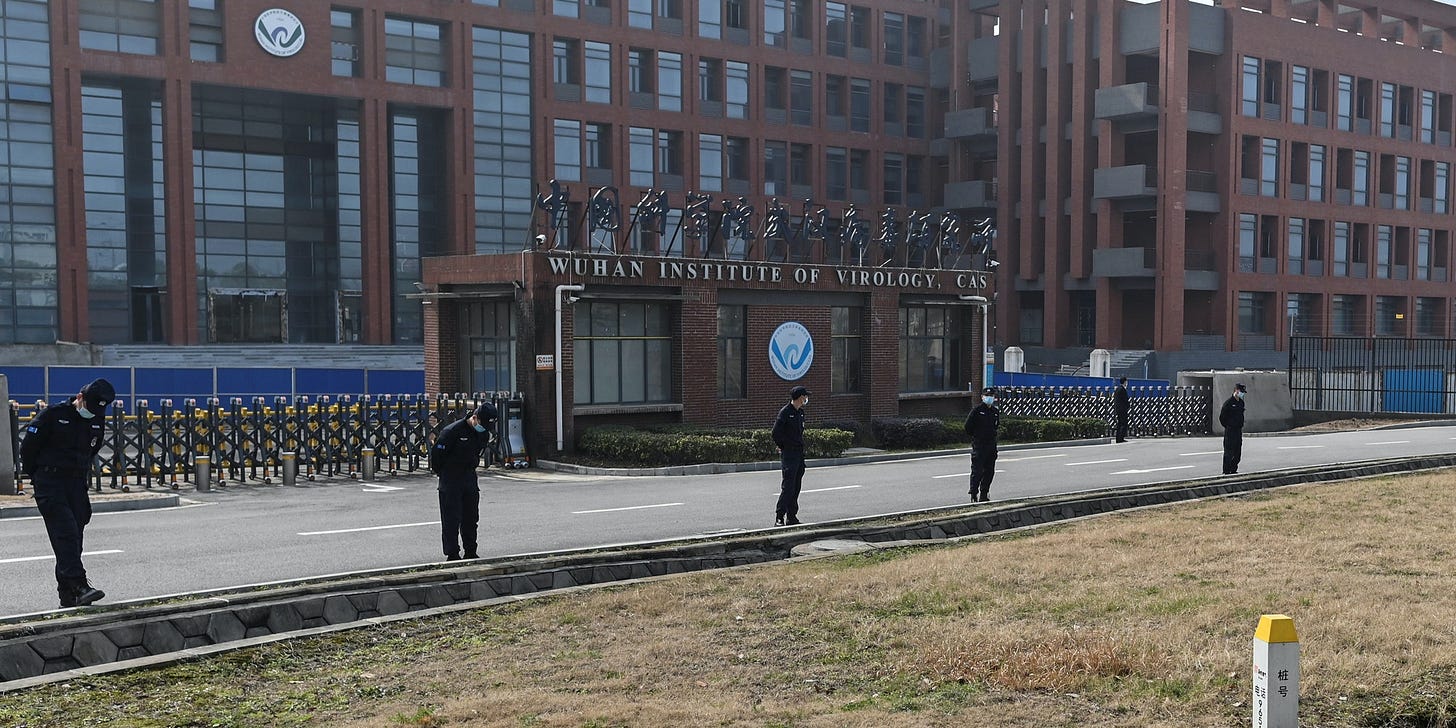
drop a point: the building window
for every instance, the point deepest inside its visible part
(565, 62)
(894, 39)
(775, 168)
(566, 8)
(640, 157)
(1360, 194)
(844, 359)
(344, 42)
(1439, 188)
(735, 159)
(836, 97)
(737, 90)
(930, 348)
(204, 30)
(836, 29)
(568, 150)
(836, 163)
(1253, 313)
(1389, 316)
(640, 71)
(1387, 110)
(710, 80)
(639, 13)
(670, 152)
(859, 28)
(1269, 168)
(894, 179)
(914, 112)
(732, 352)
(1428, 317)
(800, 22)
(801, 97)
(1345, 103)
(1428, 116)
(598, 73)
(735, 15)
(1299, 94)
(414, 52)
(1248, 237)
(669, 81)
(246, 317)
(710, 19)
(775, 89)
(622, 353)
(1345, 315)
(801, 158)
(502, 83)
(859, 104)
(1423, 254)
(775, 23)
(488, 331)
(859, 164)
(1402, 182)
(1250, 88)
(598, 146)
(710, 162)
(1316, 189)
(1383, 242)
(120, 26)
(1295, 247)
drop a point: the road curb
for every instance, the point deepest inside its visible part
(148, 502)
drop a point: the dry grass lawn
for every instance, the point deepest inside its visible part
(1142, 619)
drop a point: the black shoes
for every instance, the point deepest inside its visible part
(471, 555)
(791, 521)
(778, 519)
(452, 557)
(79, 595)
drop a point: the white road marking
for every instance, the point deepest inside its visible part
(48, 558)
(952, 475)
(628, 508)
(380, 488)
(1030, 457)
(1299, 447)
(1389, 442)
(1210, 452)
(837, 487)
(1150, 470)
(1099, 462)
(368, 528)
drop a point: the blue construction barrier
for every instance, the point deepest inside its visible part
(1020, 379)
(54, 383)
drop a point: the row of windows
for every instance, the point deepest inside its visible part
(727, 163)
(656, 79)
(1400, 182)
(1347, 315)
(1340, 248)
(1361, 105)
(28, 297)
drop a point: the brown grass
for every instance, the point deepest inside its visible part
(1143, 619)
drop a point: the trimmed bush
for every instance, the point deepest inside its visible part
(682, 445)
(862, 435)
(901, 433)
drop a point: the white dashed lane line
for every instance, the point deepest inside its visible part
(837, 487)
(1389, 442)
(1098, 462)
(626, 508)
(1151, 470)
(1299, 447)
(19, 559)
(368, 528)
(1210, 452)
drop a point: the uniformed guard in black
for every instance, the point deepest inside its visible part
(59, 445)
(788, 434)
(454, 458)
(1231, 416)
(981, 425)
(1120, 406)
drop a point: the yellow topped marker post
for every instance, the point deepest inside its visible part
(1276, 673)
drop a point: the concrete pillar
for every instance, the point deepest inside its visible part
(1101, 363)
(1015, 360)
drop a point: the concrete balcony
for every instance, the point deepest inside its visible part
(970, 124)
(1122, 183)
(982, 55)
(974, 5)
(1125, 263)
(1128, 101)
(971, 195)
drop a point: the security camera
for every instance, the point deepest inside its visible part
(992, 263)
(540, 240)
(572, 299)
(419, 286)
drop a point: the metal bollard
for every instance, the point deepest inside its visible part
(366, 466)
(202, 472)
(290, 468)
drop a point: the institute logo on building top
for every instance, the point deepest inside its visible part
(791, 350)
(279, 32)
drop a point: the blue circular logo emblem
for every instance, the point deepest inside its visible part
(279, 32)
(791, 350)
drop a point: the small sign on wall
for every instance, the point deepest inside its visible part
(545, 362)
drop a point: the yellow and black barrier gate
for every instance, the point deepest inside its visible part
(155, 446)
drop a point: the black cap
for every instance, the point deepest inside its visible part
(1240, 387)
(485, 412)
(799, 391)
(98, 394)
(989, 390)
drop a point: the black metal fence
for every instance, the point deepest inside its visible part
(1357, 374)
(154, 447)
(1152, 411)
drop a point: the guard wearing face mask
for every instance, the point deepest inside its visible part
(59, 446)
(454, 458)
(788, 435)
(982, 425)
(1232, 419)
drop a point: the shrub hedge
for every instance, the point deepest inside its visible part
(685, 445)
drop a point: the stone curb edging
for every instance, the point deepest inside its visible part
(718, 468)
(158, 500)
(49, 650)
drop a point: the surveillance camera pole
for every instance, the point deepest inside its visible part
(560, 422)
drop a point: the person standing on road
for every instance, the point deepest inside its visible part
(1232, 419)
(788, 434)
(60, 445)
(1120, 406)
(982, 425)
(454, 458)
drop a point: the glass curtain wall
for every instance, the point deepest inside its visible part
(126, 248)
(503, 193)
(272, 247)
(28, 295)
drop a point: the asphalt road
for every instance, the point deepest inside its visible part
(254, 534)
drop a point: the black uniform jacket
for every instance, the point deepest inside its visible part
(1232, 414)
(788, 429)
(981, 425)
(457, 449)
(1119, 400)
(60, 439)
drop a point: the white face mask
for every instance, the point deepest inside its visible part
(806, 401)
(988, 399)
(1240, 395)
(85, 413)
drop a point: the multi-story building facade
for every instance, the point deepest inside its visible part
(1205, 180)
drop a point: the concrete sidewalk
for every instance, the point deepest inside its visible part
(107, 501)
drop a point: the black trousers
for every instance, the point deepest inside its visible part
(983, 471)
(792, 462)
(1122, 427)
(459, 513)
(1233, 450)
(65, 507)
